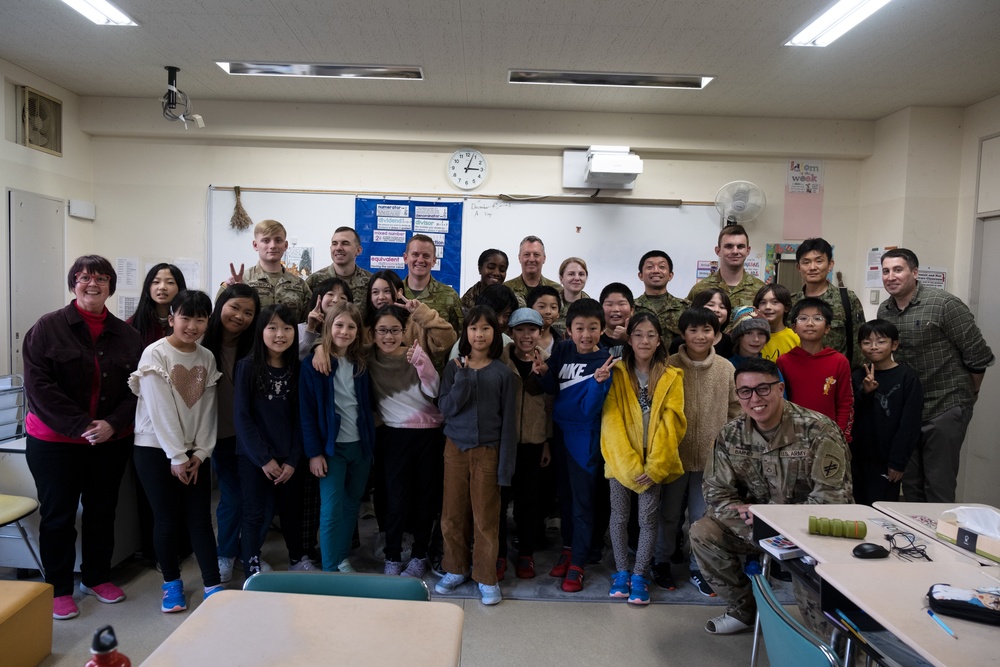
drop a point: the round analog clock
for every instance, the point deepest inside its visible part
(467, 168)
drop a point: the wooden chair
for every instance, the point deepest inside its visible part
(344, 584)
(788, 642)
(12, 510)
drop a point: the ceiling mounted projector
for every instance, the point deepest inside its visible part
(600, 167)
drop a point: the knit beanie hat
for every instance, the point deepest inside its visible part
(746, 318)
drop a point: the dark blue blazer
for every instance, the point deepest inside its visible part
(320, 421)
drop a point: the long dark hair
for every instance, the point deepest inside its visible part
(259, 353)
(481, 313)
(215, 332)
(659, 360)
(394, 281)
(145, 316)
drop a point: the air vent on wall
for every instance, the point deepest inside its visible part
(41, 121)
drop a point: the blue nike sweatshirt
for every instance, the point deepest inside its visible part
(579, 400)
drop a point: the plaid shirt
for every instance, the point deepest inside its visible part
(939, 338)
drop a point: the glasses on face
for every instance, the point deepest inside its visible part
(762, 389)
(650, 336)
(805, 319)
(388, 331)
(87, 278)
(878, 342)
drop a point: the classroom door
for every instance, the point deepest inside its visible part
(37, 269)
(981, 456)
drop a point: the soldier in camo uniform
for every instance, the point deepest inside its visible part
(733, 250)
(531, 255)
(814, 260)
(345, 246)
(268, 277)
(420, 256)
(777, 452)
(656, 269)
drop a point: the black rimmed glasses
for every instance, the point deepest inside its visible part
(388, 331)
(763, 389)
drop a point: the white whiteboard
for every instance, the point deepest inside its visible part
(609, 237)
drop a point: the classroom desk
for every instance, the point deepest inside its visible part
(255, 628)
(923, 517)
(792, 521)
(897, 600)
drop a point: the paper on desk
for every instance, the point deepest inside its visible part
(983, 520)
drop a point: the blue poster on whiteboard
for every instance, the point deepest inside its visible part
(385, 225)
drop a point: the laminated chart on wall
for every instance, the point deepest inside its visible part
(385, 225)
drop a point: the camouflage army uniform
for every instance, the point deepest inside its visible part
(668, 309)
(740, 295)
(560, 323)
(278, 288)
(837, 338)
(806, 462)
(358, 282)
(521, 290)
(441, 298)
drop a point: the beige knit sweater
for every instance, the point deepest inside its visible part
(709, 402)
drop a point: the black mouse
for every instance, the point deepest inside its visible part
(869, 550)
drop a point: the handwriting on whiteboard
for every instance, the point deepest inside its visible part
(486, 209)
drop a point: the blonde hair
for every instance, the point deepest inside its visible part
(355, 351)
(573, 260)
(269, 228)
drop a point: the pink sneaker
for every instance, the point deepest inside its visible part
(63, 607)
(107, 592)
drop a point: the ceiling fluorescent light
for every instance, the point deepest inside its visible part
(100, 12)
(321, 70)
(610, 79)
(835, 22)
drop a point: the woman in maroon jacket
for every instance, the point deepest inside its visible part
(80, 418)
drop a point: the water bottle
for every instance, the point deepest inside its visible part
(104, 650)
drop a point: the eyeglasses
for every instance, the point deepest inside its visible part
(87, 278)
(762, 389)
(878, 342)
(384, 331)
(905, 546)
(651, 336)
(804, 319)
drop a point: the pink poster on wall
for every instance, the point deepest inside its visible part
(803, 200)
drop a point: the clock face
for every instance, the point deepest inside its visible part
(467, 169)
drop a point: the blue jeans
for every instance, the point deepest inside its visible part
(229, 514)
(340, 495)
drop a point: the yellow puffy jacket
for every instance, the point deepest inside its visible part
(621, 429)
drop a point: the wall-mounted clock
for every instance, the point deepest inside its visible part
(467, 168)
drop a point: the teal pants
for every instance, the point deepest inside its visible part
(340, 495)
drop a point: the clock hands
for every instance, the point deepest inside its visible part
(468, 167)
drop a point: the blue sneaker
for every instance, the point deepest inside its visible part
(640, 590)
(619, 584)
(449, 582)
(212, 590)
(173, 597)
(490, 594)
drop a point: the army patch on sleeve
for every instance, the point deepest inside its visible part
(831, 466)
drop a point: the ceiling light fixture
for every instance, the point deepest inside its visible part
(100, 12)
(323, 70)
(835, 22)
(608, 79)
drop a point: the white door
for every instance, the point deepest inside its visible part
(37, 280)
(981, 453)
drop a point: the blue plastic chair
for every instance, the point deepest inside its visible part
(344, 584)
(789, 643)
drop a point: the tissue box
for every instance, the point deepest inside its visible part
(969, 540)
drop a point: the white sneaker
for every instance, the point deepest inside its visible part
(304, 565)
(345, 566)
(726, 625)
(226, 569)
(449, 582)
(490, 594)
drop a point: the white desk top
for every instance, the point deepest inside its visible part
(898, 602)
(792, 521)
(235, 628)
(920, 516)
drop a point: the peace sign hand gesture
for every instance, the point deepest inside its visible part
(538, 365)
(869, 384)
(604, 372)
(235, 277)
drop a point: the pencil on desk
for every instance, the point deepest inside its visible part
(937, 620)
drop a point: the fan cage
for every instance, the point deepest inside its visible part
(41, 121)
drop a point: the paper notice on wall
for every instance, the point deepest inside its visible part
(191, 268)
(805, 176)
(933, 276)
(873, 269)
(127, 303)
(754, 266)
(127, 269)
(379, 262)
(706, 267)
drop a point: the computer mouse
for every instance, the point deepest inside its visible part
(869, 550)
